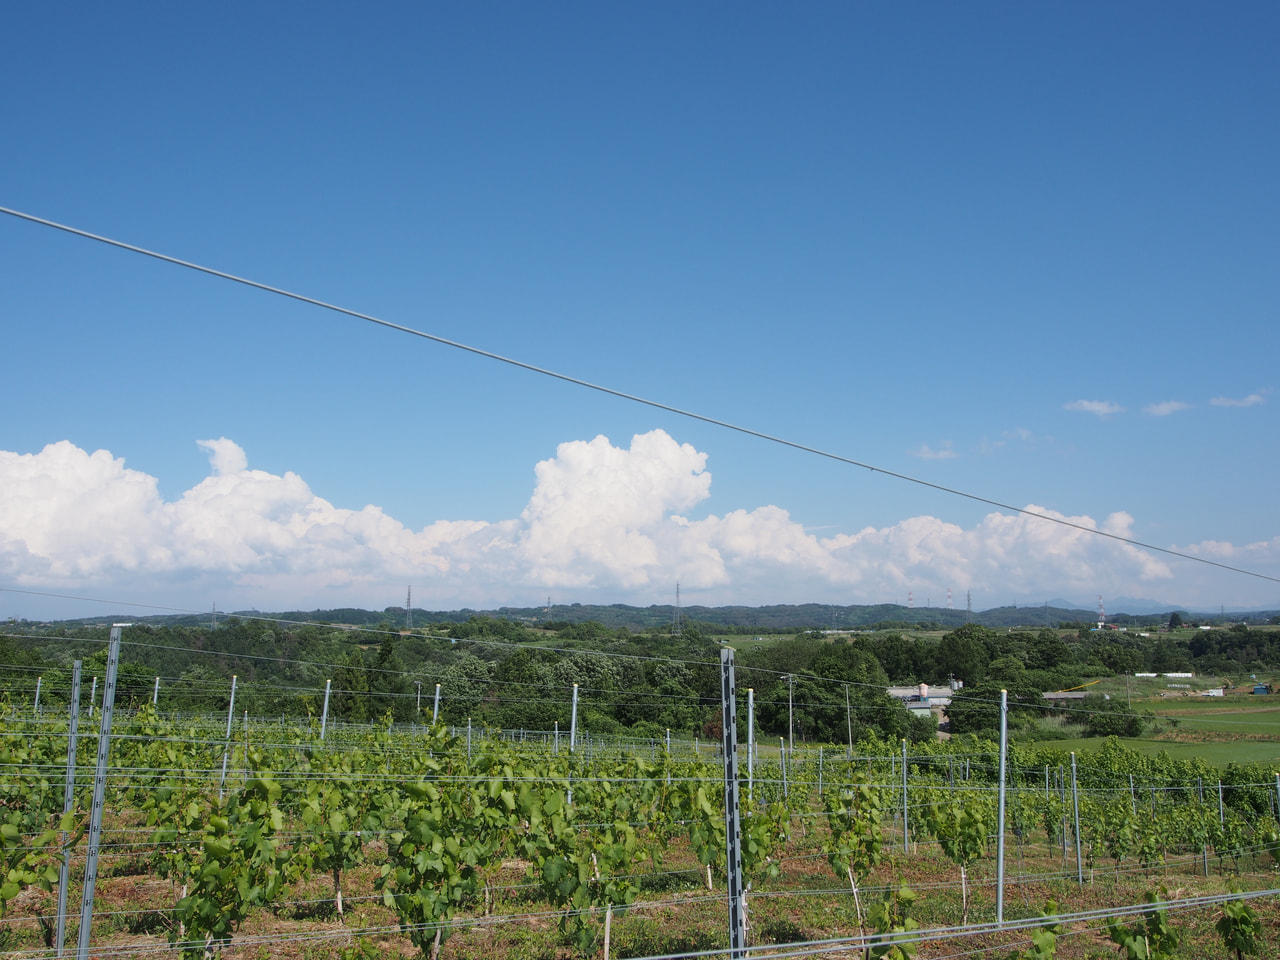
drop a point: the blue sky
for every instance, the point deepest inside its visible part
(1027, 252)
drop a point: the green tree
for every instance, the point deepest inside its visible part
(1110, 718)
(351, 690)
(463, 687)
(389, 688)
(1049, 651)
(963, 654)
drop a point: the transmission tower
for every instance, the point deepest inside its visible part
(408, 609)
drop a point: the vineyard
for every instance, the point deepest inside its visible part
(251, 838)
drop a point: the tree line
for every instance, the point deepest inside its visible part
(808, 686)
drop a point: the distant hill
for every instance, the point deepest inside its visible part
(741, 619)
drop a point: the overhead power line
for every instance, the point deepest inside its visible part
(620, 394)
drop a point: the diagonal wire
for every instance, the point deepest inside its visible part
(622, 395)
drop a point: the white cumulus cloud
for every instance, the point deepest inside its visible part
(1165, 408)
(603, 523)
(1252, 400)
(225, 456)
(1099, 408)
(943, 453)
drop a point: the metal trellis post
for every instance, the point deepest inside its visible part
(1075, 805)
(99, 792)
(848, 716)
(324, 713)
(732, 822)
(68, 800)
(906, 836)
(1004, 754)
(573, 721)
(231, 707)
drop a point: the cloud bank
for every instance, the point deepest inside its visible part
(604, 523)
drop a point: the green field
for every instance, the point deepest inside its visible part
(1218, 753)
(1240, 728)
